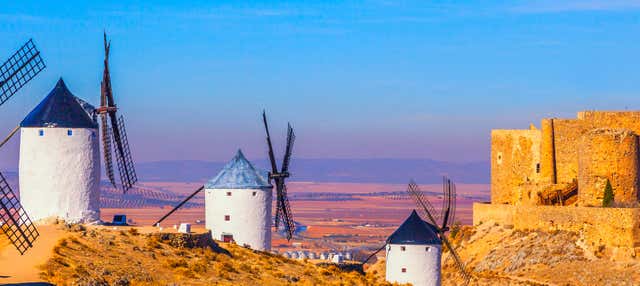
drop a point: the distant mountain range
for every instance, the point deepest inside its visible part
(330, 170)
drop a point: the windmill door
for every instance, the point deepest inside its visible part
(227, 238)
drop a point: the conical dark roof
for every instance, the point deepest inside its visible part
(59, 109)
(239, 174)
(414, 230)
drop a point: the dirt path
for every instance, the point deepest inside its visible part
(24, 268)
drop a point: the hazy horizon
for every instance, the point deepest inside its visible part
(373, 79)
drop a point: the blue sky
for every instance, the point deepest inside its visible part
(357, 79)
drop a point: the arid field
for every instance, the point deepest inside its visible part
(337, 215)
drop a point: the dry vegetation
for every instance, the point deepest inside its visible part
(107, 257)
(501, 256)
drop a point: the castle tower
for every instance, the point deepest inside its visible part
(606, 154)
(59, 168)
(238, 204)
(413, 253)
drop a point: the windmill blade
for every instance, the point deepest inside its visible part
(453, 199)
(373, 254)
(423, 204)
(179, 206)
(445, 195)
(19, 69)
(456, 258)
(447, 198)
(15, 222)
(272, 158)
(106, 96)
(13, 132)
(291, 137)
(126, 169)
(279, 206)
(287, 216)
(106, 149)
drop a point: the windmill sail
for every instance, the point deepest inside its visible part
(287, 216)
(283, 209)
(427, 209)
(178, 206)
(19, 69)
(106, 145)
(126, 168)
(16, 72)
(15, 222)
(114, 139)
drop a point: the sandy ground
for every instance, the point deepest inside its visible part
(17, 268)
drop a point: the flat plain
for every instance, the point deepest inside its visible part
(338, 216)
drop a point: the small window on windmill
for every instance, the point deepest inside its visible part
(69, 132)
(538, 168)
(499, 158)
(404, 270)
(227, 218)
(228, 194)
(403, 248)
(41, 132)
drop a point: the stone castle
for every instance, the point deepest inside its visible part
(554, 177)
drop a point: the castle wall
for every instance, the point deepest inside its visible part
(59, 173)
(608, 154)
(596, 224)
(567, 134)
(612, 119)
(515, 155)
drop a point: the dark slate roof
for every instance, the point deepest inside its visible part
(414, 230)
(60, 109)
(239, 174)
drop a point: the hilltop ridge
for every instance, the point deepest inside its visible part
(89, 256)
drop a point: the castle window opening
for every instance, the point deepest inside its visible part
(254, 193)
(404, 270)
(41, 132)
(228, 194)
(428, 249)
(402, 248)
(69, 132)
(227, 218)
(538, 168)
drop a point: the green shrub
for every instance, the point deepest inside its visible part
(607, 200)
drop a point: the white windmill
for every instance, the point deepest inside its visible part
(413, 253)
(59, 168)
(414, 250)
(238, 200)
(238, 204)
(60, 158)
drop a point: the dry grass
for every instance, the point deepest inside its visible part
(128, 258)
(503, 256)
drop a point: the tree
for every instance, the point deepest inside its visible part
(607, 200)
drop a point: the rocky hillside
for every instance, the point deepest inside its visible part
(495, 256)
(126, 257)
(501, 256)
